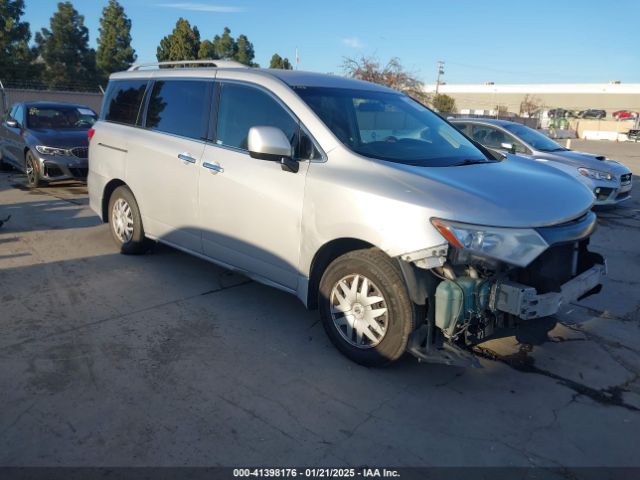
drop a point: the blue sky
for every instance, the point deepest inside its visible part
(516, 41)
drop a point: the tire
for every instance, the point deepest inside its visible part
(32, 169)
(125, 222)
(374, 346)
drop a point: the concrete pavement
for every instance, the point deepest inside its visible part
(166, 360)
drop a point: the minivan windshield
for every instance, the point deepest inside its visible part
(60, 117)
(537, 140)
(390, 126)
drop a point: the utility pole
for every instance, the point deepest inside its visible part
(440, 72)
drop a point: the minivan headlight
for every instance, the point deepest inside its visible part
(517, 246)
(595, 174)
(52, 150)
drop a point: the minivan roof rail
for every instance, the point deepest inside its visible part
(214, 63)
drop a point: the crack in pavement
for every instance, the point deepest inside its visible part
(521, 362)
(603, 313)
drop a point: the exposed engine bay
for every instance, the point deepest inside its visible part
(473, 298)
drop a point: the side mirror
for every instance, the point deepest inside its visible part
(12, 123)
(271, 144)
(510, 147)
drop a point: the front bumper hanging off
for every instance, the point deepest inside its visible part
(525, 302)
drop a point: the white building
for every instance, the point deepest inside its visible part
(610, 96)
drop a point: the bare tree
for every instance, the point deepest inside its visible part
(530, 105)
(392, 75)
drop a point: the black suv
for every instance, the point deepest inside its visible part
(47, 141)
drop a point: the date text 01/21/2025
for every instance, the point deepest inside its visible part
(315, 473)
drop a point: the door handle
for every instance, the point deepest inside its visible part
(186, 157)
(215, 168)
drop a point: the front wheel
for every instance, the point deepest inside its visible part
(126, 223)
(32, 169)
(365, 307)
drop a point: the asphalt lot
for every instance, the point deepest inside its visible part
(163, 359)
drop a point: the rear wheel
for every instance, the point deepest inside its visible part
(365, 307)
(32, 169)
(126, 223)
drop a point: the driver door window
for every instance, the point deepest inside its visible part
(242, 107)
(235, 119)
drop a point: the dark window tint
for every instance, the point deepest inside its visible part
(180, 107)
(243, 107)
(60, 117)
(123, 99)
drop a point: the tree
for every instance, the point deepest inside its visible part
(206, 51)
(182, 44)
(391, 75)
(502, 109)
(278, 62)
(16, 57)
(225, 46)
(65, 50)
(530, 105)
(114, 51)
(444, 103)
(244, 51)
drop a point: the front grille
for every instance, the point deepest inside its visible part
(79, 172)
(625, 179)
(80, 152)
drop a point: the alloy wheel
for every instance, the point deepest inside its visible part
(31, 171)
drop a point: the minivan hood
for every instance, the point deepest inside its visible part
(581, 159)
(59, 138)
(515, 192)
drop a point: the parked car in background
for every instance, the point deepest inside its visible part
(47, 141)
(405, 234)
(593, 113)
(625, 115)
(562, 113)
(610, 181)
(558, 113)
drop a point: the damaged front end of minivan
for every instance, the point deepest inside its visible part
(486, 281)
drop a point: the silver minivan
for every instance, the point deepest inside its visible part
(406, 234)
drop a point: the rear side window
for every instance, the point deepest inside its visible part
(180, 107)
(243, 107)
(123, 100)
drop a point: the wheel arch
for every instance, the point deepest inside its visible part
(109, 188)
(326, 254)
